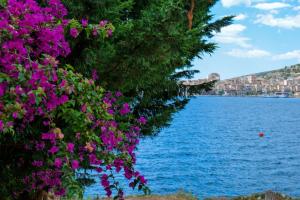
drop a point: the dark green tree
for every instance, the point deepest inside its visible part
(150, 52)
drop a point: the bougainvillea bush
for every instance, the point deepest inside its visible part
(55, 124)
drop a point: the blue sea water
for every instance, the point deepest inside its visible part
(212, 148)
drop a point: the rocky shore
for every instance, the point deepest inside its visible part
(268, 195)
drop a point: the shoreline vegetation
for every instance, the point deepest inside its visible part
(181, 195)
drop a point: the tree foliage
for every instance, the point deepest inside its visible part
(150, 52)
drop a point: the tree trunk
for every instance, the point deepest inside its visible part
(190, 14)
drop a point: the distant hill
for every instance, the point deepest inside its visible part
(287, 72)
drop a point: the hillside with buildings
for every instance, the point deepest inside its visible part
(285, 81)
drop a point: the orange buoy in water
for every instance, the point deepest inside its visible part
(261, 134)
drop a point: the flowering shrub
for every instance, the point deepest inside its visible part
(54, 123)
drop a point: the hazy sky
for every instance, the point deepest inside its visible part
(265, 35)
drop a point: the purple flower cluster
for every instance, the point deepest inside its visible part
(73, 124)
(45, 178)
(33, 39)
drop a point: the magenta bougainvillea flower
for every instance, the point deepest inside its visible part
(1, 125)
(58, 162)
(53, 150)
(103, 23)
(125, 109)
(70, 147)
(109, 33)
(142, 120)
(75, 164)
(84, 22)
(74, 32)
(2, 88)
(95, 75)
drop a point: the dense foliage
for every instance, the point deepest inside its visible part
(54, 123)
(152, 49)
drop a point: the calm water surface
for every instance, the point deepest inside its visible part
(212, 148)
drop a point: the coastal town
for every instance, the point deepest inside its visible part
(278, 83)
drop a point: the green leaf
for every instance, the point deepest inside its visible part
(3, 3)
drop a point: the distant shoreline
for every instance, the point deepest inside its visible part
(252, 96)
